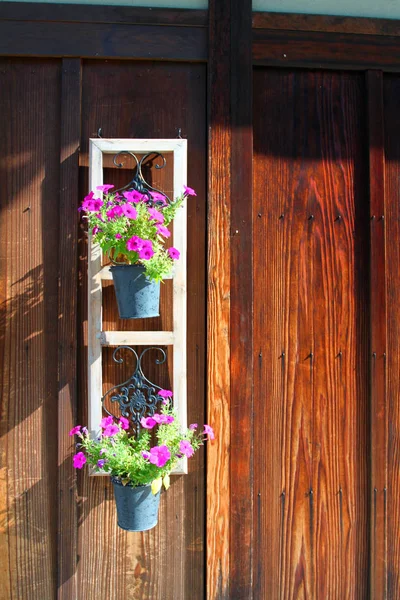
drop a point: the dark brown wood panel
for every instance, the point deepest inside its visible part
(325, 50)
(311, 335)
(29, 220)
(143, 100)
(92, 40)
(67, 324)
(391, 94)
(86, 13)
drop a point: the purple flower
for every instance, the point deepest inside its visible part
(163, 419)
(101, 462)
(156, 215)
(95, 230)
(111, 430)
(146, 454)
(124, 422)
(163, 231)
(134, 244)
(159, 455)
(79, 460)
(174, 253)
(186, 448)
(97, 204)
(118, 236)
(106, 422)
(129, 211)
(75, 430)
(209, 431)
(189, 191)
(105, 188)
(158, 197)
(193, 426)
(85, 430)
(133, 196)
(146, 253)
(147, 422)
(118, 212)
(165, 394)
(99, 216)
(110, 214)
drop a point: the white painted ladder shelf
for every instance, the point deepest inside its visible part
(97, 338)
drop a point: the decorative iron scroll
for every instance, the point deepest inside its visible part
(137, 397)
(138, 183)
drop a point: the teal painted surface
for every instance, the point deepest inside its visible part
(384, 9)
(147, 3)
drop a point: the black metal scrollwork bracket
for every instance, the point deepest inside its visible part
(138, 181)
(136, 397)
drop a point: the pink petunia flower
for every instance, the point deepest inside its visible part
(75, 430)
(147, 422)
(146, 252)
(163, 419)
(174, 253)
(193, 426)
(95, 230)
(101, 462)
(110, 431)
(106, 422)
(124, 422)
(189, 191)
(134, 244)
(163, 231)
(146, 454)
(129, 211)
(104, 188)
(133, 196)
(159, 455)
(165, 394)
(97, 204)
(186, 448)
(79, 460)
(118, 236)
(209, 431)
(156, 215)
(159, 197)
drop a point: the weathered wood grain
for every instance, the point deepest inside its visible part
(310, 345)
(142, 100)
(391, 103)
(218, 305)
(70, 123)
(379, 423)
(29, 150)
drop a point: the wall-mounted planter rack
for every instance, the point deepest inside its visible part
(97, 272)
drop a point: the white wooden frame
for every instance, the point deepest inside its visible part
(97, 338)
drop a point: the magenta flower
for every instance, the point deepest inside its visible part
(101, 462)
(146, 454)
(156, 215)
(163, 419)
(118, 236)
(99, 216)
(85, 430)
(163, 231)
(133, 196)
(97, 204)
(158, 197)
(105, 188)
(95, 230)
(159, 455)
(118, 212)
(186, 448)
(165, 394)
(193, 426)
(106, 422)
(147, 422)
(79, 460)
(146, 253)
(129, 211)
(134, 244)
(174, 253)
(189, 191)
(110, 214)
(75, 430)
(110, 431)
(209, 431)
(124, 422)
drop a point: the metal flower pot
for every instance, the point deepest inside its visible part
(137, 296)
(137, 507)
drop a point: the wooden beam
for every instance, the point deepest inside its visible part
(325, 50)
(379, 422)
(67, 325)
(230, 318)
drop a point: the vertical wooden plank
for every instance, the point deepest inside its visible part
(29, 151)
(218, 304)
(241, 317)
(379, 423)
(67, 324)
(391, 89)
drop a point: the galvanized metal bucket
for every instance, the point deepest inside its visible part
(137, 507)
(137, 296)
